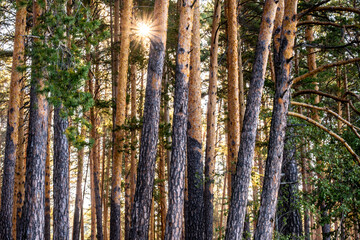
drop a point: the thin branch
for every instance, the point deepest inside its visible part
(340, 139)
(311, 91)
(324, 67)
(326, 24)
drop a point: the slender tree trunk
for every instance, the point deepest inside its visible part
(7, 191)
(78, 197)
(282, 60)
(162, 179)
(194, 228)
(106, 197)
(175, 214)
(127, 164)
(61, 177)
(150, 132)
(233, 88)
(126, 15)
(241, 181)
(210, 126)
(47, 230)
(32, 219)
(20, 169)
(288, 215)
(133, 136)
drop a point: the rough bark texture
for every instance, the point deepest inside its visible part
(210, 127)
(32, 220)
(133, 136)
(282, 60)
(240, 187)
(61, 177)
(150, 132)
(233, 88)
(126, 15)
(19, 190)
(194, 228)
(288, 219)
(78, 197)
(7, 191)
(175, 214)
(47, 226)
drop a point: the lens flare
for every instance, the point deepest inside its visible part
(143, 30)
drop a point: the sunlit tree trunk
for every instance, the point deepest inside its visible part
(7, 191)
(210, 126)
(194, 228)
(133, 136)
(32, 220)
(150, 132)
(174, 218)
(127, 158)
(126, 15)
(233, 88)
(241, 180)
(20, 169)
(283, 53)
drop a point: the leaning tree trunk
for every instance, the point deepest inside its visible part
(175, 214)
(78, 197)
(233, 89)
(194, 228)
(61, 177)
(288, 219)
(150, 132)
(282, 59)
(210, 127)
(7, 190)
(115, 213)
(241, 181)
(32, 220)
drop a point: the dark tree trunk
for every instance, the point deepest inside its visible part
(47, 229)
(78, 197)
(7, 190)
(282, 59)
(150, 132)
(32, 220)
(194, 228)
(289, 221)
(237, 211)
(174, 218)
(61, 177)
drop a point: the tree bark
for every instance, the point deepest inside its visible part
(61, 177)
(175, 214)
(7, 191)
(47, 230)
(150, 132)
(289, 222)
(233, 89)
(133, 136)
(126, 15)
(282, 60)
(241, 181)
(78, 197)
(32, 219)
(210, 126)
(194, 228)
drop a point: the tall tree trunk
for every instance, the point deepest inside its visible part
(241, 181)
(126, 15)
(233, 88)
(194, 228)
(133, 136)
(32, 219)
(7, 191)
(175, 214)
(78, 197)
(289, 221)
(20, 169)
(283, 53)
(47, 226)
(210, 126)
(61, 177)
(127, 164)
(150, 132)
